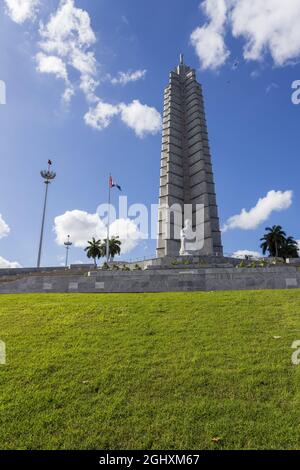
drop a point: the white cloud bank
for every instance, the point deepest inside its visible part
(142, 119)
(52, 64)
(124, 78)
(274, 201)
(65, 43)
(101, 115)
(4, 231)
(21, 10)
(4, 228)
(82, 226)
(241, 254)
(5, 264)
(266, 26)
(208, 40)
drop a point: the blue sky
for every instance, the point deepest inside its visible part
(253, 124)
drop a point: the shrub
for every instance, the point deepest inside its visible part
(252, 265)
(242, 264)
(263, 264)
(203, 263)
(187, 262)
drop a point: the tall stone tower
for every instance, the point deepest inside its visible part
(186, 175)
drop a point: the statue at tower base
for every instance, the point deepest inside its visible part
(187, 238)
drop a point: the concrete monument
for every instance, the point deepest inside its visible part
(186, 178)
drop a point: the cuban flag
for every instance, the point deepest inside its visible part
(113, 184)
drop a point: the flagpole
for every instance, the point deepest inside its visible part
(108, 223)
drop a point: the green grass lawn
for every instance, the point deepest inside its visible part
(153, 371)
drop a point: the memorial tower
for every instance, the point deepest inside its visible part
(186, 176)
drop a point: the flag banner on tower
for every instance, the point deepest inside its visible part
(113, 184)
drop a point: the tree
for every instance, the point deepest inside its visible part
(94, 250)
(114, 248)
(273, 240)
(289, 248)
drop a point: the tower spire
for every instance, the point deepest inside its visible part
(181, 59)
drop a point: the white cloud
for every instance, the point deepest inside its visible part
(68, 36)
(255, 73)
(51, 64)
(4, 264)
(208, 40)
(271, 25)
(271, 86)
(68, 30)
(55, 65)
(250, 220)
(128, 233)
(241, 254)
(4, 231)
(88, 85)
(82, 226)
(21, 10)
(4, 228)
(101, 116)
(124, 78)
(268, 26)
(141, 118)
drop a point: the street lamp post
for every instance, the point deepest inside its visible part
(47, 176)
(68, 245)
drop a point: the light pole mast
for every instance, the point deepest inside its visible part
(68, 245)
(47, 176)
(108, 222)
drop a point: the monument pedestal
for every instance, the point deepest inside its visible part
(192, 261)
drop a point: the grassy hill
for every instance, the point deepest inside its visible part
(162, 371)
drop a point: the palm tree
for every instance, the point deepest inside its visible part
(273, 240)
(114, 248)
(289, 248)
(94, 250)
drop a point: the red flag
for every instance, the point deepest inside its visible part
(113, 184)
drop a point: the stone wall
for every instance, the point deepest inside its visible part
(163, 280)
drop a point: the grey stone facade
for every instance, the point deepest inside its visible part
(186, 175)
